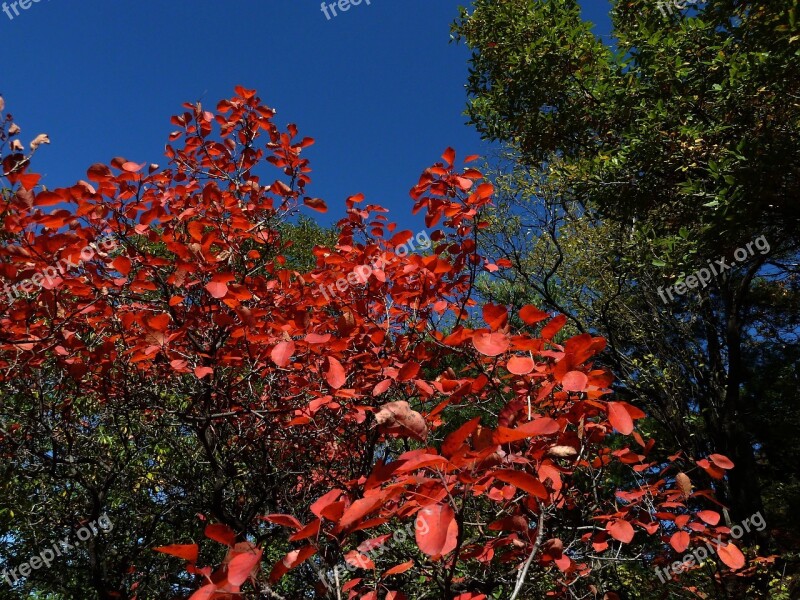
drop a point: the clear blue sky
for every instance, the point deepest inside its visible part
(380, 87)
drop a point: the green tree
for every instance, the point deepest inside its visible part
(672, 148)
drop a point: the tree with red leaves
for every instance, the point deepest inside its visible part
(307, 430)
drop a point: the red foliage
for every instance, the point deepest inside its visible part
(192, 290)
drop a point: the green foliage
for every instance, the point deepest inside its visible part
(625, 168)
(690, 123)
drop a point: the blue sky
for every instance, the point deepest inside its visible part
(380, 87)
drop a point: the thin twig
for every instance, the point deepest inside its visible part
(526, 566)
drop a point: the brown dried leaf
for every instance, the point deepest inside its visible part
(562, 451)
(397, 417)
(39, 140)
(684, 484)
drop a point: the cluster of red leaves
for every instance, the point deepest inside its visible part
(195, 295)
(241, 564)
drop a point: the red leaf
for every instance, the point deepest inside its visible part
(408, 371)
(541, 426)
(713, 470)
(185, 551)
(709, 516)
(359, 509)
(553, 327)
(575, 381)
(325, 501)
(358, 560)
(496, 316)
(290, 561)
(285, 520)
(201, 372)
(679, 541)
(158, 323)
(221, 533)
(282, 353)
(520, 365)
(620, 530)
(205, 593)
(397, 569)
(316, 204)
(620, 418)
(122, 264)
(723, 462)
(310, 530)
(532, 315)
(243, 566)
(131, 167)
(381, 387)
(335, 375)
(436, 530)
(98, 172)
(454, 441)
(524, 481)
(48, 199)
(316, 338)
(449, 156)
(490, 344)
(218, 289)
(731, 556)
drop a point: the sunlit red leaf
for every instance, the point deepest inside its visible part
(709, 516)
(532, 315)
(185, 551)
(524, 481)
(218, 289)
(491, 344)
(221, 533)
(282, 353)
(575, 381)
(496, 316)
(358, 510)
(335, 374)
(731, 556)
(325, 501)
(620, 418)
(553, 327)
(284, 520)
(439, 535)
(620, 530)
(398, 569)
(723, 462)
(540, 426)
(316, 204)
(520, 365)
(243, 566)
(679, 541)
